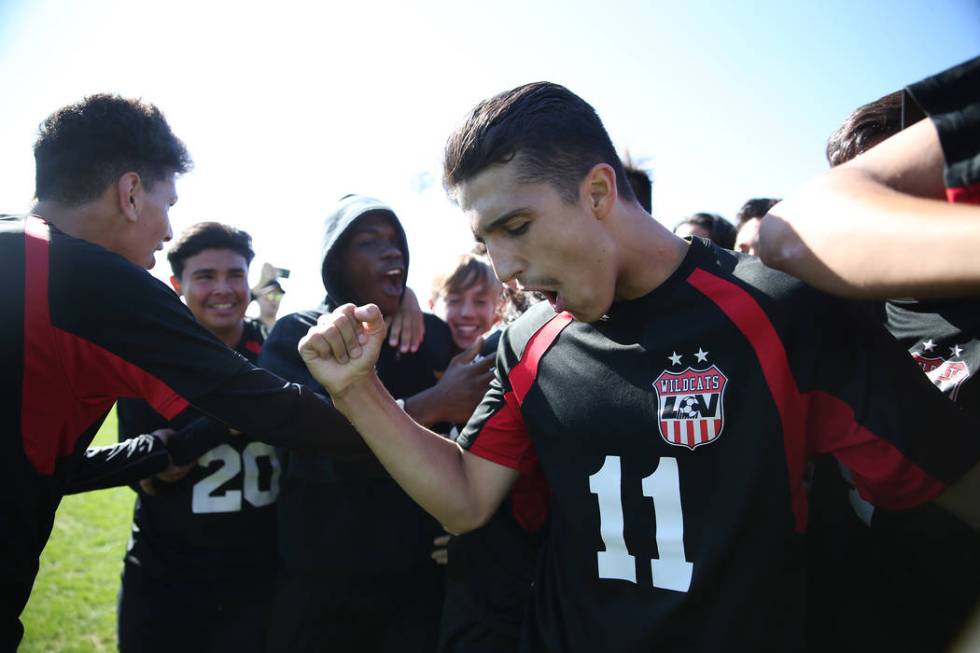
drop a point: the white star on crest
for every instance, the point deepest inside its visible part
(701, 355)
(928, 345)
(675, 358)
(955, 350)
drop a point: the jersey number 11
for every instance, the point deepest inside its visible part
(672, 570)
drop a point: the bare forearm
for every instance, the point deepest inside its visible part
(848, 234)
(430, 468)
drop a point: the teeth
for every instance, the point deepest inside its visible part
(394, 273)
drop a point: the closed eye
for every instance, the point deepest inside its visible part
(518, 229)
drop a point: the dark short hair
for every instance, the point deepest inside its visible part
(720, 231)
(755, 208)
(83, 148)
(556, 134)
(640, 183)
(867, 126)
(208, 235)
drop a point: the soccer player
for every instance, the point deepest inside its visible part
(917, 569)
(356, 571)
(84, 324)
(671, 393)
(200, 565)
(851, 230)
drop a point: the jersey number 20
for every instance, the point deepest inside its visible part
(671, 571)
(204, 500)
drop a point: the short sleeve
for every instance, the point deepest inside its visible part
(497, 430)
(951, 100)
(870, 405)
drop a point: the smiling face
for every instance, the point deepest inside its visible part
(470, 312)
(374, 265)
(214, 284)
(540, 241)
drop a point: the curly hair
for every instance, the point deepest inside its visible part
(83, 148)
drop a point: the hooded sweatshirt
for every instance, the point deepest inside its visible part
(342, 518)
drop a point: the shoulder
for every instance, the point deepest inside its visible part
(516, 335)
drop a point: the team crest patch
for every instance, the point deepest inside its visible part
(690, 406)
(947, 375)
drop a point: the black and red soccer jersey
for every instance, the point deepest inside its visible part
(674, 433)
(925, 564)
(82, 327)
(218, 522)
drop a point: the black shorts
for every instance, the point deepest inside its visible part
(161, 615)
(363, 614)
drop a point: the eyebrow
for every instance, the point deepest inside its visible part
(496, 223)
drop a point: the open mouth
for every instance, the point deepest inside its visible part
(466, 331)
(393, 281)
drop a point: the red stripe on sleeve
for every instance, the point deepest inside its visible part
(504, 438)
(69, 383)
(861, 450)
(964, 194)
(523, 374)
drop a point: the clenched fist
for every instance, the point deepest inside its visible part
(343, 347)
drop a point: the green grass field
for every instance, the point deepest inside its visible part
(73, 606)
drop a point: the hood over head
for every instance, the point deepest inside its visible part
(347, 211)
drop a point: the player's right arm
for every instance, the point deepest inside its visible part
(456, 487)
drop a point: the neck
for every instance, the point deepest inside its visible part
(84, 221)
(232, 335)
(650, 253)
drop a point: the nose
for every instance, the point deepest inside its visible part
(392, 253)
(505, 264)
(467, 309)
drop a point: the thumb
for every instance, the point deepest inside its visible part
(464, 357)
(370, 316)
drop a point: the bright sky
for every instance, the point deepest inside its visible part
(287, 106)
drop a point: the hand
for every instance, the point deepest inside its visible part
(441, 553)
(171, 474)
(463, 384)
(343, 347)
(408, 324)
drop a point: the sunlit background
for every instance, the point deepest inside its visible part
(287, 106)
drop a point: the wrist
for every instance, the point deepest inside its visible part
(421, 408)
(355, 393)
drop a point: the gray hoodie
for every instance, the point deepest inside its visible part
(335, 225)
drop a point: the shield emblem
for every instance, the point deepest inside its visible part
(690, 406)
(948, 376)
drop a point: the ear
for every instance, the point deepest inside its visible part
(175, 282)
(129, 195)
(600, 188)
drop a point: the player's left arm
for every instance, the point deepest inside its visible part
(131, 460)
(878, 226)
